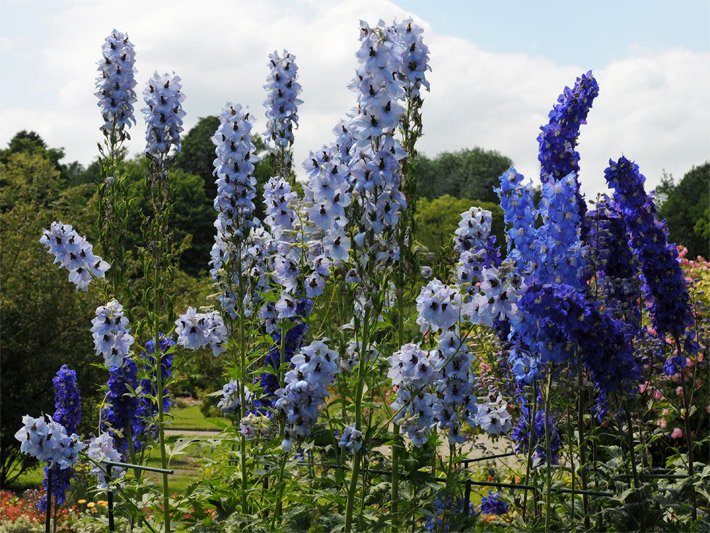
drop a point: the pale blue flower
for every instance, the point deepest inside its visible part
(115, 85)
(163, 115)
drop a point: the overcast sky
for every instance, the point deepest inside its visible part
(498, 67)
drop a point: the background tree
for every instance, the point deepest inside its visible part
(43, 320)
(30, 142)
(469, 173)
(198, 155)
(686, 208)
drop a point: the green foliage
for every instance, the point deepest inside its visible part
(438, 219)
(25, 142)
(687, 210)
(191, 219)
(469, 173)
(43, 319)
(28, 177)
(198, 153)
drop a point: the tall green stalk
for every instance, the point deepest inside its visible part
(582, 447)
(157, 263)
(358, 421)
(528, 462)
(548, 487)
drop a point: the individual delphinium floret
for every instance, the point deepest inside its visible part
(493, 415)
(115, 85)
(438, 306)
(558, 140)
(48, 441)
(496, 297)
(100, 449)
(306, 386)
(111, 333)
(74, 253)
(351, 439)
(163, 114)
(493, 504)
(231, 399)
(199, 330)
(67, 404)
(664, 284)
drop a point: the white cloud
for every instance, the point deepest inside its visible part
(650, 107)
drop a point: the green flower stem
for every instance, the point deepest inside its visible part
(548, 491)
(528, 462)
(358, 422)
(161, 432)
(582, 447)
(281, 486)
(242, 398)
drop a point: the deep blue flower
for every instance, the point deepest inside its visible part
(119, 413)
(493, 504)
(145, 426)
(67, 404)
(558, 140)
(559, 324)
(448, 508)
(616, 268)
(664, 284)
(527, 429)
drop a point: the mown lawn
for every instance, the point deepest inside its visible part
(192, 418)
